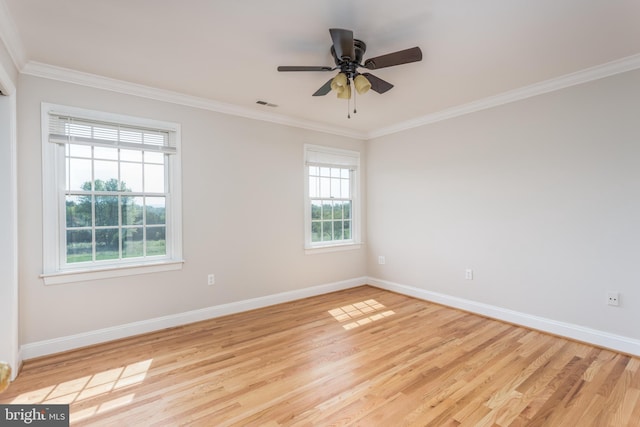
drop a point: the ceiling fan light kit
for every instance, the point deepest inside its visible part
(347, 53)
(362, 84)
(339, 83)
(345, 93)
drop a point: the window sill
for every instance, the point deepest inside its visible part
(72, 276)
(332, 248)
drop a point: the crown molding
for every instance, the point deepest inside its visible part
(10, 38)
(38, 69)
(622, 65)
(619, 66)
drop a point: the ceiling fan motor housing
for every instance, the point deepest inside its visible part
(348, 65)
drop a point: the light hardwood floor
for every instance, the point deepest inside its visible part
(363, 357)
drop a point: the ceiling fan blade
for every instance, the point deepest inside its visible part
(377, 84)
(343, 43)
(325, 89)
(406, 56)
(303, 68)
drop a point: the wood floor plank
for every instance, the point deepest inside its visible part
(362, 356)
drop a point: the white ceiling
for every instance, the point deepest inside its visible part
(227, 51)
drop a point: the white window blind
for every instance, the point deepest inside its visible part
(323, 156)
(64, 129)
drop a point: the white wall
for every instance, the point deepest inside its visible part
(541, 198)
(9, 329)
(242, 209)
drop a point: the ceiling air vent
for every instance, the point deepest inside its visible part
(268, 104)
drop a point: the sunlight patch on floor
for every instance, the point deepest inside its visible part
(90, 386)
(360, 313)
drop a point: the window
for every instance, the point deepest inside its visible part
(111, 195)
(331, 200)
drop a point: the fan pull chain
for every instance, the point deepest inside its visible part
(354, 100)
(348, 106)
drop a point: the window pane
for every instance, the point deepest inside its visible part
(151, 157)
(337, 230)
(325, 188)
(335, 188)
(347, 230)
(107, 244)
(335, 173)
(105, 153)
(153, 178)
(337, 210)
(316, 209)
(78, 211)
(130, 155)
(106, 208)
(156, 241)
(316, 231)
(79, 151)
(131, 177)
(79, 174)
(347, 210)
(314, 170)
(132, 210)
(313, 187)
(327, 230)
(344, 190)
(344, 173)
(79, 248)
(327, 210)
(325, 171)
(132, 243)
(106, 175)
(155, 210)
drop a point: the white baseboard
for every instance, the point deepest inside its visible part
(569, 330)
(576, 332)
(57, 345)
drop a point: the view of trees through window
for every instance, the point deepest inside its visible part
(108, 218)
(117, 225)
(331, 204)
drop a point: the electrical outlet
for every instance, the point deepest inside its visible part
(468, 274)
(381, 260)
(211, 279)
(613, 298)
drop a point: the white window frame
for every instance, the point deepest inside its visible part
(318, 155)
(53, 191)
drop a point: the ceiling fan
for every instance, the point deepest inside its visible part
(347, 53)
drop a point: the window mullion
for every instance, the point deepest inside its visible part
(93, 207)
(119, 206)
(120, 229)
(93, 228)
(144, 223)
